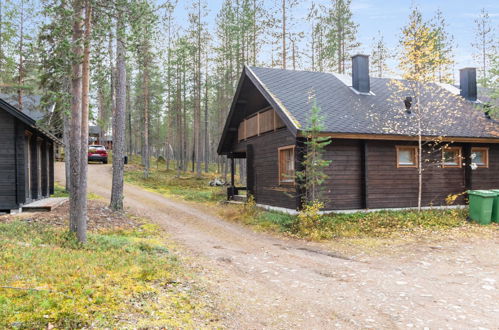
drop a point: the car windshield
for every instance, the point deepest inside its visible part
(96, 148)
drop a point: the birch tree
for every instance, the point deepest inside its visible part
(419, 62)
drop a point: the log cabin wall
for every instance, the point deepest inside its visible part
(8, 193)
(343, 188)
(13, 163)
(268, 191)
(487, 178)
(390, 186)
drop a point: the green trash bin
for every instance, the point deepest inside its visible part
(495, 207)
(481, 202)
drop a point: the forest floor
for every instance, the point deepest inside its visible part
(127, 275)
(264, 281)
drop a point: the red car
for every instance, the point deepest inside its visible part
(97, 154)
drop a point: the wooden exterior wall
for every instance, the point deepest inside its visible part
(487, 178)
(393, 187)
(266, 181)
(12, 163)
(388, 186)
(8, 193)
(343, 189)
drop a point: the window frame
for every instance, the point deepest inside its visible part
(414, 149)
(279, 151)
(459, 157)
(485, 150)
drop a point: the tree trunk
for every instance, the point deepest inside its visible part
(197, 110)
(119, 121)
(284, 34)
(75, 134)
(81, 232)
(206, 134)
(20, 80)
(145, 151)
(67, 152)
(100, 107)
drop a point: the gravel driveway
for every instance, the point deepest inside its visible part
(268, 282)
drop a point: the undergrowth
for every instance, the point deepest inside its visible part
(187, 186)
(60, 191)
(312, 225)
(119, 279)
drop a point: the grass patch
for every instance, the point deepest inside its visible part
(59, 191)
(187, 186)
(381, 224)
(120, 279)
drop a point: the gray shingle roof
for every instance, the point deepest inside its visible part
(346, 111)
(31, 105)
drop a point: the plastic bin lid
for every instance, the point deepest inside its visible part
(483, 193)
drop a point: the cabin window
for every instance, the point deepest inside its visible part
(287, 165)
(480, 156)
(451, 157)
(407, 156)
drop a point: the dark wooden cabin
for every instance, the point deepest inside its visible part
(373, 149)
(26, 159)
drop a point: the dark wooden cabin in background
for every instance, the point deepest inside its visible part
(26, 159)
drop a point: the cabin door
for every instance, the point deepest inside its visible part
(39, 168)
(250, 170)
(27, 167)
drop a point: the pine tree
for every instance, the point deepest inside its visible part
(379, 56)
(340, 33)
(314, 164)
(484, 44)
(76, 205)
(116, 202)
(445, 49)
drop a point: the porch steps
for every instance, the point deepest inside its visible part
(46, 204)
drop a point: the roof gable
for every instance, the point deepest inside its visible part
(251, 95)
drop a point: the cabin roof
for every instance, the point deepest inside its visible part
(380, 113)
(26, 119)
(32, 105)
(344, 110)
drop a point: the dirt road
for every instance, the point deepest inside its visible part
(268, 282)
